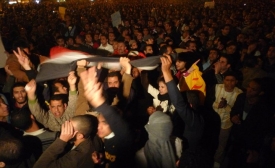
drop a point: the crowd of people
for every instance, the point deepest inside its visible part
(209, 103)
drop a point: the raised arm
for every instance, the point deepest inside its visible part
(72, 95)
(182, 107)
(94, 95)
(127, 79)
(39, 113)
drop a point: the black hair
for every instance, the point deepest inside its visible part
(86, 125)
(10, 150)
(20, 44)
(21, 119)
(113, 74)
(18, 84)
(57, 97)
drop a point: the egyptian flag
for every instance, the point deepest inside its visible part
(65, 61)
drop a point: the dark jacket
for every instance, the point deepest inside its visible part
(78, 157)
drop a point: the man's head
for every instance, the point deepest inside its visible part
(22, 119)
(10, 151)
(57, 105)
(85, 125)
(88, 38)
(19, 93)
(213, 55)
(133, 45)
(225, 63)
(79, 39)
(225, 30)
(230, 81)
(231, 48)
(60, 41)
(70, 41)
(103, 128)
(148, 49)
(22, 44)
(113, 79)
(255, 88)
(103, 40)
(59, 87)
(191, 45)
(184, 61)
(112, 36)
(4, 112)
(121, 48)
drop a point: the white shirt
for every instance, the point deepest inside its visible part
(108, 47)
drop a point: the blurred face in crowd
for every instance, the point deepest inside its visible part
(162, 88)
(113, 82)
(135, 72)
(134, 46)
(253, 90)
(145, 31)
(271, 53)
(3, 109)
(213, 54)
(192, 46)
(148, 50)
(88, 38)
(70, 42)
(112, 36)
(139, 36)
(225, 30)
(180, 65)
(229, 83)
(103, 40)
(231, 49)
(57, 108)
(211, 31)
(121, 48)
(224, 65)
(103, 128)
(60, 42)
(61, 89)
(20, 95)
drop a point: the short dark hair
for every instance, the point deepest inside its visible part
(57, 97)
(21, 119)
(21, 44)
(104, 35)
(18, 84)
(10, 150)
(193, 98)
(62, 82)
(86, 125)
(188, 58)
(113, 74)
(230, 73)
(228, 58)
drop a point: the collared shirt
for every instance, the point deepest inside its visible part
(35, 133)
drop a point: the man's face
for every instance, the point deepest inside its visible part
(134, 46)
(148, 50)
(253, 90)
(192, 46)
(111, 36)
(213, 54)
(70, 42)
(225, 30)
(271, 52)
(20, 95)
(60, 42)
(229, 83)
(211, 31)
(145, 32)
(223, 63)
(167, 26)
(121, 48)
(135, 72)
(61, 89)
(180, 65)
(57, 108)
(139, 36)
(231, 49)
(103, 40)
(113, 82)
(88, 38)
(3, 109)
(103, 128)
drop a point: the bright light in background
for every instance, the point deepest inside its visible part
(37, 1)
(12, 2)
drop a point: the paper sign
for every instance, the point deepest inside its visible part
(116, 19)
(62, 11)
(210, 5)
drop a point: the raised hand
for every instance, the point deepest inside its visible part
(93, 88)
(236, 119)
(191, 69)
(166, 62)
(23, 59)
(125, 63)
(72, 80)
(67, 131)
(223, 103)
(30, 89)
